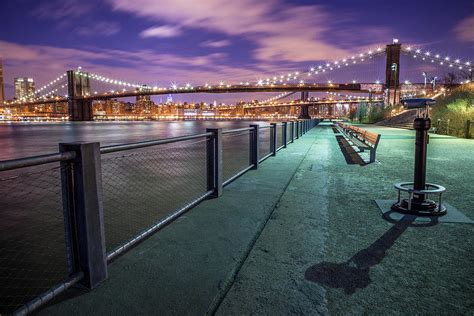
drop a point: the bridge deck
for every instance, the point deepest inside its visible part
(302, 213)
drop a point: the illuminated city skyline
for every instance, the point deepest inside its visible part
(174, 41)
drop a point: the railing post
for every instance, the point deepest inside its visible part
(83, 212)
(254, 144)
(284, 134)
(214, 162)
(292, 131)
(468, 129)
(273, 138)
(297, 129)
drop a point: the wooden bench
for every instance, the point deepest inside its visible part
(361, 138)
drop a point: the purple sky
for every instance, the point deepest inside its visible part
(159, 42)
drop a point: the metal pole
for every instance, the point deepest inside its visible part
(292, 131)
(284, 134)
(421, 125)
(297, 129)
(214, 161)
(254, 145)
(468, 129)
(273, 138)
(83, 211)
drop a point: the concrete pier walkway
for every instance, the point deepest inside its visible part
(302, 235)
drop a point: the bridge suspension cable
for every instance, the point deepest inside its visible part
(50, 89)
(278, 97)
(427, 56)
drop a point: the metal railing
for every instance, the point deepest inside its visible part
(457, 128)
(66, 215)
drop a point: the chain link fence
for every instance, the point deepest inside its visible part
(32, 239)
(264, 139)
(236, 153)
(143, 186)
(289, 132)
(279, 135)
(140, 187)
(457, 128)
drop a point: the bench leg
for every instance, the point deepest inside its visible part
(372, 155)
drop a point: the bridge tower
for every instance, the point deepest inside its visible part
(79, 86)
(304, 110)
(392, 73)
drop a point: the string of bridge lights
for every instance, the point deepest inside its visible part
(269, 81)
(108, 80)
(320, 69)
(436, 58)
(280, 96)
(32, 96)
(336, 94)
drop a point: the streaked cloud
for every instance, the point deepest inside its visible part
(58, 10)
(161, 31)
(44, 63)
(465, 30)
(279, 30)
(100, 28)
(216, 44)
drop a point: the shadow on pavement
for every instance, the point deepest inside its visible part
(354, 273)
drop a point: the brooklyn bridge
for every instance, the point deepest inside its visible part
(340, 188)
(80, 88)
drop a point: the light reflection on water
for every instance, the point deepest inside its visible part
(29, 139)
(140, 187)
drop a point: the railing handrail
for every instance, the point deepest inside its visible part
(35, 160)
(265, 127)
(148, 143)
(57, 157)
(81, 187)
(236, 130)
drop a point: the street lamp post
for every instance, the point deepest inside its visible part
(394, 70)
(434, 82)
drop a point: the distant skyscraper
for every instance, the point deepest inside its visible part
(24, 88)
(2, 84)
(169, 99)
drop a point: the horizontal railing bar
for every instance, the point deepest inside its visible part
(49, 294)
(162, 223)
(235, 176)
(281, 147)
(264, 127)
(122, 147)
(35, 160)
(265, 157)
(237, 130)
